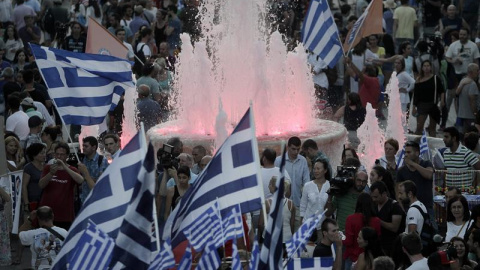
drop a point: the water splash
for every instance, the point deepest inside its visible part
(220, 126)
(371, 139)
(396, 119)
(129, 128)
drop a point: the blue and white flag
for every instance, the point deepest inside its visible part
(84, 87)
(424, 150)
(186, 261)
(318, 263)
(93, 250)
(253, 265)
(301, 236)
(271, 253)
(209, 260)
(133, 246)
(108, 200)
(233, 176)
(164, 258)
(401, 158)
(320, 33)
(233, 225)
(206, 229)
(236, 262)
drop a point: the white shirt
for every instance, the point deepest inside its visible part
(360, 61)
(43, 110)
(267, 174)
(43, 245)
(415, 217)
(313, 200)
(18, 124)
(419, 265)
(467, 54)
(146, 49)
(405, 81)
(456, 230)
(130, 54)
(319, 77)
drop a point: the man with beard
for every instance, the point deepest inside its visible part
(345, 204)
(407, 194)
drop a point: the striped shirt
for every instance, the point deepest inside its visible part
(456, 163)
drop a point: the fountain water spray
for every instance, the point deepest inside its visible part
(396, 119)
(371, 139)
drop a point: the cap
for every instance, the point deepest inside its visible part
(7, 72)
(138, 9)
(34, 121)
(389, 4)
(27, 102)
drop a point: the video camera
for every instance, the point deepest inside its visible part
(166, 159)
(343, 181)
(72, 159)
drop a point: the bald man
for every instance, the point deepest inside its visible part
(149, 111)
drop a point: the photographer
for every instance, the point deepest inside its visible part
(344, 203)
(46, 241)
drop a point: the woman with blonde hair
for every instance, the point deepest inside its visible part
(14, 154)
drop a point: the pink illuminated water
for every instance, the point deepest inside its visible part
(371, 139)
(237, 62)
(396, 119)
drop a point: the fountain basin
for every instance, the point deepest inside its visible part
(330, 137)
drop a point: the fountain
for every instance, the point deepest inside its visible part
(236, 62)
(371, 139)
(396, 124)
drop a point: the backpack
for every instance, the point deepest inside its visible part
(140, 56)
(428, 231)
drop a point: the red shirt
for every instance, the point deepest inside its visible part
(369, 91)
(59, 194)
(353, 225)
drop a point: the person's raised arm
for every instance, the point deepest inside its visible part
(75, 176)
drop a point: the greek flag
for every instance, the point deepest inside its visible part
(302, 234)
(233, 225)
(133, 246)
(207, 227)
(93, 250)
(164, 258)
(320, 33)
(272, 250)
(424, 150)
(401, 158)
(236, 262)
(186, 261)
(108, 201)
(84, 87)
(210, 259)
(318, 263)
(233, 176)
(253, 265)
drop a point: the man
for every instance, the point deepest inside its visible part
(148, 111)
(310, 149)
(164, 51)
(32, 107)
(91, 166)
(139, 20)
(461, 53)
(269, 169)
(450, 24)
(30, 32)
(404, 23)
(345, 204)
(36, 92)
(204, 162)
(35, 124)
(383, 263)
(112, 145)
(458, 158)
(114, 20)
(17, 122)
(58, 182)
(19, 13)
(46, 241)
(120, 33)
(76, 42)
(407, 193)
(29, 108)
(390, 213)
(412, 247)
(184, 159)
(10, 85)
(173, 29)
(145, 35)
(198, 152)
(467, 99)
(452, 192)
(297, 167)
(330, 236)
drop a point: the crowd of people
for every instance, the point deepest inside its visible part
(432, 45)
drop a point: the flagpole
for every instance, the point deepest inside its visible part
(66, 130)
(221, 226)
(360, 26)
(243, 230)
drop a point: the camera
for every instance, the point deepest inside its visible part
(343, 181)
(72, 159)
(165, 158)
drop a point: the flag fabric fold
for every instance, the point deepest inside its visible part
(424, 150)
(232, 177)
(108, 201)
(236, 262)
(206, 229)
(233, 224)
(84, 87)
(369, 23)
(133, 245)
(271, 253)
(164, 258)
(93, 250)
(101, 41)
(253, 264)
(320, 33)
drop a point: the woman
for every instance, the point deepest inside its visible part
(94, 11)
(348, 153)
(78, 12)
(14, 153)
(353, 116)
(405, 53)
(428, 88)
(159, 27)
(405, 83)
(175, 193)
(379, 173)
(458, 217)
(164, 76)
(368, 240)
(389, 160)
(359, 56)
(49, 137)
(20, 61)
(31, 192)
(12, 43)
(314, 194)
(5, 254)
(364, 216)
(462, 252)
